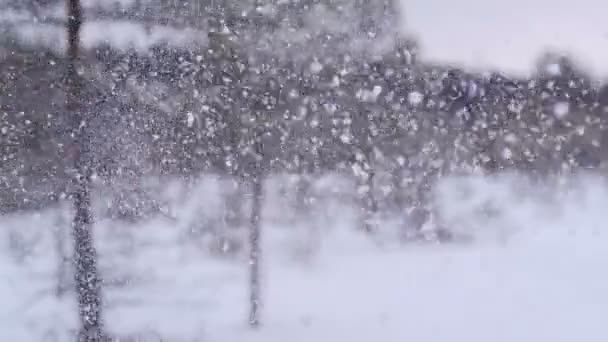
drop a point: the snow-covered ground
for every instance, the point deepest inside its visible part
(534, 273)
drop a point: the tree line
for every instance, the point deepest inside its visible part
(218, 110)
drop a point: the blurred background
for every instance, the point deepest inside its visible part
(200, 128)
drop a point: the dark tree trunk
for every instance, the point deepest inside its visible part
(88, 285)
(233, 216)
(254, 244)
(398, 196)
(303, 189)
(303, 186)
(371, 204)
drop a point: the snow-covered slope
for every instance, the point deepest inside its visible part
(534, 274)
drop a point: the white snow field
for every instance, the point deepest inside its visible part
(535, 272)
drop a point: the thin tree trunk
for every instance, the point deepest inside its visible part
(233, 216)
(88, 285)
(302, 195)
(398, 200)
(371, 204)
(254, 243)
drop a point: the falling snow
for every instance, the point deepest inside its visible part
(415, 98)
(561, 109)
(235, 171)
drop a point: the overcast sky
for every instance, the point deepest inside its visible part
(509, 34)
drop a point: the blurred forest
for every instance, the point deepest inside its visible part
(255, 88)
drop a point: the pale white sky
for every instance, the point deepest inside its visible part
(509, 34)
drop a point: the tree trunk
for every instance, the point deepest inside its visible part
(371, 204)
(88, 285)
(254, 251)
(398, 196)
(303, 189)
(233, 215)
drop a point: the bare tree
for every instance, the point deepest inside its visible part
(87, 278)
(254, 248)
(256, 173)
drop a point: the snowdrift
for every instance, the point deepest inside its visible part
(532, 273)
